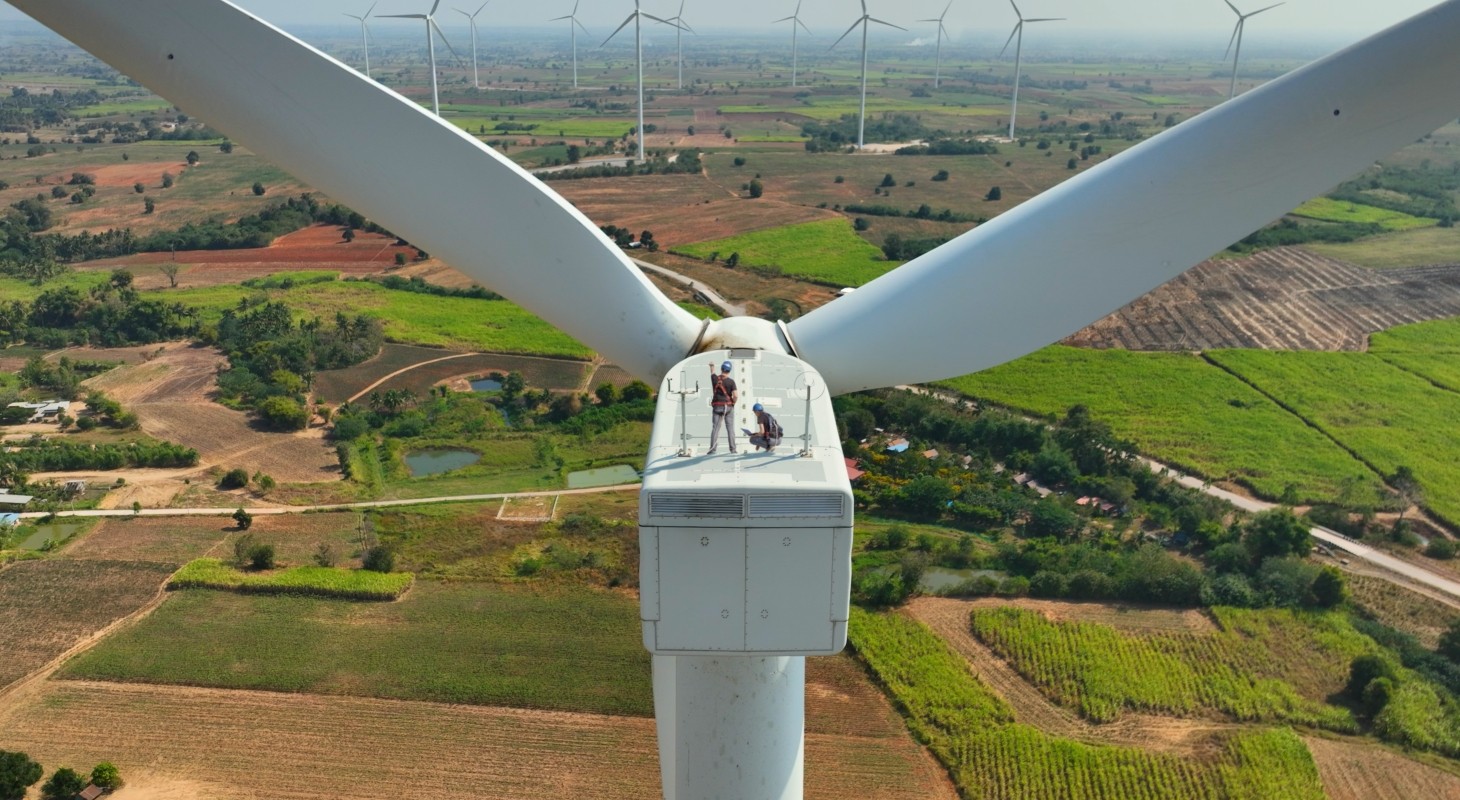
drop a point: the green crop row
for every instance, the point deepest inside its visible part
(827, 251)
(350, 584)
(1329, 210)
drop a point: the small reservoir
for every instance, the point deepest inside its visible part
(434, 462)
(486, 385)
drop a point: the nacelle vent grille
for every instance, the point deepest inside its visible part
(721, 506)
(796, 505)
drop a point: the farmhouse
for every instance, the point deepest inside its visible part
(43, 410)
(852, 472)
(897, 446)
(91, 792)
(12, 501)
(9, 520)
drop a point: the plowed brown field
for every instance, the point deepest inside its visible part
(234, 745)
(1355, 771)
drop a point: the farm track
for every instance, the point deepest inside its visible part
(1281, 299)
(1363, 771)
(949, 619)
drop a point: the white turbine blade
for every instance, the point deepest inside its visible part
(782, 19)
(803, 26)
(1235, 29)
(864, 8)
(1046, 19)
(352, 16)
(401, 16)
(372, 8)
(444, 41)
(1012, 34)
(1054, 264)
(579, 24)
(555, 19)
(480, 9)
(945, 10)
(434, 6)
(575, 8)
(385, 156)
(935, 19)
(1017, 12)
(888, 24)
(1260, 10)
(619, 28)
(662, 21)
(686, 26)
(843, 36)
(1234, 8)
(463, 13)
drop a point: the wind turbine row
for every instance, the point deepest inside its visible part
(1237, 37)
(1018, 54)
(573, 25)
(472, 20)
(795, 20)
(365, 35)
(638, 61)
(863, 20)
(430, 18)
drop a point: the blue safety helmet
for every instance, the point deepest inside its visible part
(725, 367)
(757, 408)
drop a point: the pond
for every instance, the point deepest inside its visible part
(603, 476)
(51, 530)
(486, 385)
(435, 462)
(938, 578)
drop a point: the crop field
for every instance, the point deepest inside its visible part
(1104, 673)
(1178, 408)
(1418, 615)
(1354, 771)
(544, 128)
(162, 540)
(475, 643)
(1388, 417)
(342, 384)
(462, 542)
(349, 584)
(827, 251)
(1329, 210)
(971, 730)
(183, 743)
(47, 607)
(1281, 299)
(1404, 249)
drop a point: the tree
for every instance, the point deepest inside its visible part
(282, 413)
(1365, 670)
(149, 205)
(942, 175)
(64, 784)
(17, 773)
(348, 235)
(400, 259)
(139, 187)
(106, 776)
(1276, 533)
(243, 518)
(193, 158)
(379, 558)
(325, 555)
(170, 269)
(860, 224)
(265, 483)
(994, 194)
(1329, 588)
(607, 393)
(258, 189)
(235, 478)
(1073, 163)
(261, 557)
(1449, 646)
(512, 386)
(167, 180)
(636, 390)
(756, 189)
(925, 496)
(1409, 489)
(225, 146)
(733, 261)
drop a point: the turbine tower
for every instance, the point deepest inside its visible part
(938, 53)
(365, 35)
(572, 19)
(863, 20)
(1018, 56)
(638, 61)
(730, 602)
(430, 18)
(472, 20)
(795, 20)
(680, 26)
(1237, 37)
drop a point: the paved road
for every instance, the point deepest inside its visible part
(590, 162)
(267, 510)
(724, 306)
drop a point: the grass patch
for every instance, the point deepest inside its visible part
(1400, 249)
(560, 648)
(1178, 408)
(828, 251)
(1330, 210)
(970, 730)
(1385, 415)
(348, 584)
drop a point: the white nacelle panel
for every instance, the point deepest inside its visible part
(760, 591)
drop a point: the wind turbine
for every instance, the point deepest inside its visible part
(472, 20)
(730, 716)
(1237, 37)
(863, 20)
(680, 26)
(430, 18)
(572, 19)
(795, 19)
(938, 54)
(1018, 56)
(638, 61)
(365, 35)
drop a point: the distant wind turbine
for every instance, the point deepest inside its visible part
(572, 19)
(365, 35)
(639, 60)
(1018, 56)
(938, 54)
(863, 20)
(795, 20)
(430, 18)
(1237, 37)
(680, 26)
(472, 19)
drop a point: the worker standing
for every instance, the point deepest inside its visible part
(723, 395)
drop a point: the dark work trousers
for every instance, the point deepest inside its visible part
(723, 415)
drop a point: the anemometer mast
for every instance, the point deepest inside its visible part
(745, 569)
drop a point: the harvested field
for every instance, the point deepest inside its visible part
(170, 396)
(680, 208)
(949, 619)
(207, 743)
(395, 368)
(1281, 299)
(1421, 616)
(1361, 771)
(125, 355)
(48, 607)
(161, 540)
(318, 247)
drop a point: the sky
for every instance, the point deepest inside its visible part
(968, 21)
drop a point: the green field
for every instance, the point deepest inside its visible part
(988, 755)
(1243, 670)
(1401, 249)
(142, 105)
(476, 643)
(1329, 210)
(1385, 415)
(1178, 408)
(354, 584)
(1427, 349)
(545, 128)
(827, 251)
